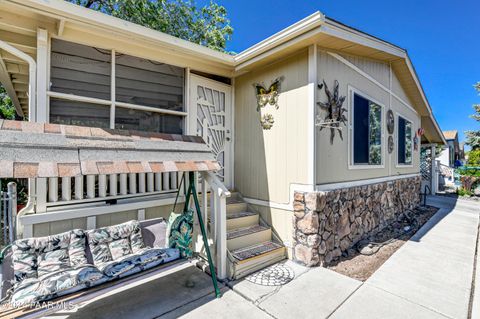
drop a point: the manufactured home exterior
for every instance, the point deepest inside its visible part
(65, 64)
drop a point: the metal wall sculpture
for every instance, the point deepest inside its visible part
(267, 97)
(335, 111)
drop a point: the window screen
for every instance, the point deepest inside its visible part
(79, 113)
(404, 141)
(367, 133)
(80, 70)
(129, 119)
(149, 83)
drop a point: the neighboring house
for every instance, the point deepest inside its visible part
(72, 65)
(452, 152)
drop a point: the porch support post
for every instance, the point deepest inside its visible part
(434, 170)
(193, 192)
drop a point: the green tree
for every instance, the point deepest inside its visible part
(7, 110)
(208, 26)
(473, 137)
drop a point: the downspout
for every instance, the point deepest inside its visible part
(32, 111)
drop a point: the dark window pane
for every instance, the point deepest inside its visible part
(404, 141)
(144, 82)
(128, 119)
(79, 113)
(375, 134)
(401, 140)
(80, 70)
(360, 133)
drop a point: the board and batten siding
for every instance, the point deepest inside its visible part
(267, 162)
(332, 161)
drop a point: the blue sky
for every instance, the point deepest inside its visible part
(442, 38)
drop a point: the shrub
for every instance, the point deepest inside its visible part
(474, 158)
(463, 192)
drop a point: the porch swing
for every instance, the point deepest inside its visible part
(32, 150)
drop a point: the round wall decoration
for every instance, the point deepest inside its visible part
(390, 122)
(390, 144)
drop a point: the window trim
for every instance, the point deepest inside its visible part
(112, 104)
(351, 165)
(397, 127)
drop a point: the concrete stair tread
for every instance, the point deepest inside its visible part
(253, 251)
(235, 233)
(240, 215)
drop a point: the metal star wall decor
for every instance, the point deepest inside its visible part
(335, 111)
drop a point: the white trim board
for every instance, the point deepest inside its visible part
(334, 186)
(370, 78)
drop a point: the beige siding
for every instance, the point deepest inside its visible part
(333, 160)
(45, 229)
(268, 161)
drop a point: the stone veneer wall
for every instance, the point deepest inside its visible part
(329, 223)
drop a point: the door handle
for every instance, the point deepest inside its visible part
(228, 139)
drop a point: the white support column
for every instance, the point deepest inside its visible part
(90, 186)
(312, 111)
(132, 183)
(42, 115)
(79, 187)
(102, 185)
(53, 189)
(123, 184)
(150, 182)
(112, 91)
(221, 223)
(112, 179)
(141, 182)
(141, 214)
(66, 188)
(158, 182)
(434, 170)
(41, 199)
(91, 222)
(173, 178)
(166, 181)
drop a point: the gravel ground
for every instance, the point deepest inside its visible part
(361, 261)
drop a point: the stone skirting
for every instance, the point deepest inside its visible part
(329, 223)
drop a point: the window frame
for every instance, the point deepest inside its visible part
(112, 104)
(351, 164)
(397, 128)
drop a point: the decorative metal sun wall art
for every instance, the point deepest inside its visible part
(390, 144)
(335, 112)
(267, 97)
(390, 122)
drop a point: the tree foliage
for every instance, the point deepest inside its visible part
(208, 26)
(473, 137)
(7, 110)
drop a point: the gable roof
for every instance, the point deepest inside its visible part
(62, 17)
(450, 135)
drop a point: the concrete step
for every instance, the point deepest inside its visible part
(247, 236)
(241, 220)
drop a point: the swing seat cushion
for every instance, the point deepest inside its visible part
(119, 250)
(56, 284)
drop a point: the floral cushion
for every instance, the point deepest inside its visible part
(143, 259)
(56, 284)
(41, 256)
(180, 231)
(114, 242)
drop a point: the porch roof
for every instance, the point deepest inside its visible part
(29, 150)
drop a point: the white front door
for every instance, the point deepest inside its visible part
(210, 116)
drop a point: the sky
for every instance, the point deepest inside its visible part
(442, 38)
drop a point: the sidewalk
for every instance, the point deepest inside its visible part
(430, 276)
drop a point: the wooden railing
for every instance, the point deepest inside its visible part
(91, 188)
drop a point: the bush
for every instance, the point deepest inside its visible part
(474, 158)
(463, 192)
